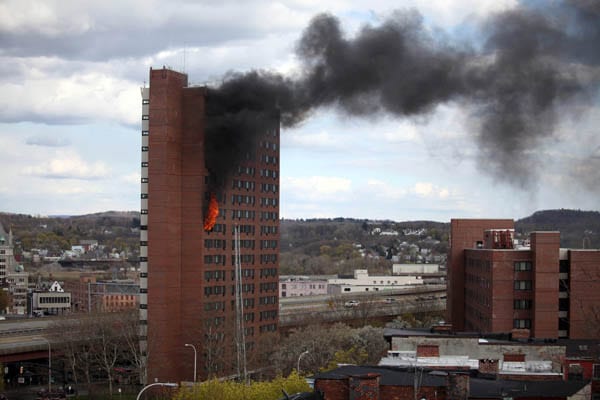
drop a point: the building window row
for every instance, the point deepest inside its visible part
(268, 145)
(523, 285)
(268, 173)
(216, 290)
(243, 214)
(268, 328)
(245, 170)
(268, 244)
(522, 323)
(268, 215)
(249, 317)
(214, 306)
(267, 300)
(52, 300)
(522, 304)
(145, 101)
(522, 266)
(218, 259)
(268, 201)
(242, 199)
(481, 265)
(268, 258)
(220, 228)
(267, 315)
(248, 229)
(246, 273)
(269, 287)
(269, 187)
(244, 244)
(268, 230)
(241, 184)
(215, 243)
(267, 159)
(249, 331)
(248, 303)
(214, 275)
(214, 322)
(244, 259)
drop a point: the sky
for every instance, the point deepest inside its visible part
(70, 110)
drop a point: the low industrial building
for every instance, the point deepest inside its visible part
(363, 282)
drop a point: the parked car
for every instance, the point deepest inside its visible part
(351, 303)
(390, 300)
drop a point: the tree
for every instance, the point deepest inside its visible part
(326, 344)
(228, 390)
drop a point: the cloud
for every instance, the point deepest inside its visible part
(47, 141)
(69, 167)
(81, 97)
(317, 188)
(311, 140)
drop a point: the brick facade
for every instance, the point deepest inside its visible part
(188, 274)
(493, 287)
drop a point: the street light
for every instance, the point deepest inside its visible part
(49, 364)
(305, 352)
(195, 358)
(167, 384)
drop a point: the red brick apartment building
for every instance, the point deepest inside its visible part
(187, 282)
(497, 286)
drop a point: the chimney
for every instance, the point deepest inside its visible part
(364, 387)
(489, 366)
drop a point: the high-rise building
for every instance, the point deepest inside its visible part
(496, 284)
(188, 281)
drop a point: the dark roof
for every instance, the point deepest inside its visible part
(582, 348)
(484, 388)
(390, 376)
(478, 387)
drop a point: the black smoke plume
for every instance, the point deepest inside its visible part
(530, 67)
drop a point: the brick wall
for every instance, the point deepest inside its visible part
(364, 387)
(428, 350)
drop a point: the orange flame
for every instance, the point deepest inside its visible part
(212, 213)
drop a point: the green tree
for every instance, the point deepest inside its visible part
(229, 390)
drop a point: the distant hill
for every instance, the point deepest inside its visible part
(576, 227)
(304, 240)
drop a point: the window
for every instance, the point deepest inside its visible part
(522, 285)
(522, 304)
(145, 133)
(596, 372)
(145, 180)
(522, 323)
(144, 164)
(522, 266)
(144, 195)
(145, 117)
(144, 211)
(145, 101)
(145, 148)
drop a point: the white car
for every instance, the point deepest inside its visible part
(351, 303)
